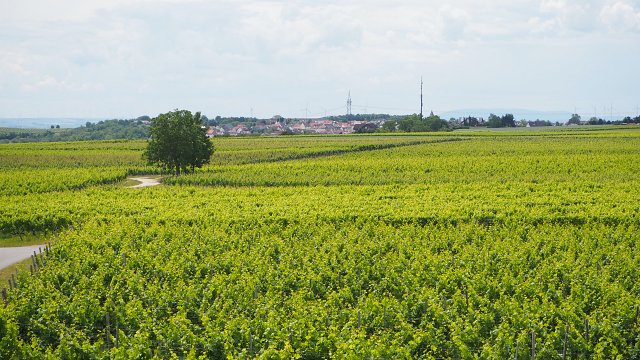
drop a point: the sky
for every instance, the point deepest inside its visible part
(296, 58)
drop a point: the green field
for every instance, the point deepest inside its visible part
(455, 245)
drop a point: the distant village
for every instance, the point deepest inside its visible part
(278, 125)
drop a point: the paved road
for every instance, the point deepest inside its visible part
(11, 255)
(145, 181)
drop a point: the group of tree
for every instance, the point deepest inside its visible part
(537, 122)
(233, 120)
(506, 120)
(472, 121)
(574, 120)
(577, 120)
(416, 123)
(630, 120)
(102, 130)
(178, 142)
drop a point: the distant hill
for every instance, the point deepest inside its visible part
(44, 123)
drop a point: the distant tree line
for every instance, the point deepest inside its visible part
(232, 120)
(506, 120)
(416, 123)
(102, 130)
(577, 120)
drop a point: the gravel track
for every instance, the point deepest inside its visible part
(12, 255)
(145, 182)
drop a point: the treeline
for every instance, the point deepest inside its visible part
(102, 130)
(577, 120)
(416, 123)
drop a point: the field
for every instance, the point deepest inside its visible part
(463, 245)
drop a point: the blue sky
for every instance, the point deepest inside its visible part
(122, 59)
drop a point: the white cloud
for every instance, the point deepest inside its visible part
(146, 54)
(620, 16)
(563, 16)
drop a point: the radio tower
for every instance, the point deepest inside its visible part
(421, 103)
(349, 104)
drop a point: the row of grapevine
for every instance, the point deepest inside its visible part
(517, 161)
(495, 245)
(322, 289)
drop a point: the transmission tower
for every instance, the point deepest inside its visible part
(349, 104)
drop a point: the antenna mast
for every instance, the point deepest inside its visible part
(349, 104)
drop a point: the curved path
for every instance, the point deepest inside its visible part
(12, 255)
(145, 181)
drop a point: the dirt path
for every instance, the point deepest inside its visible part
(11, 255)
(145, 181)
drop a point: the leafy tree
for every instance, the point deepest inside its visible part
(595, 121)
(508, 120)
(575, 119)
(178, 142)
(412, 123)
(435, 123)
(494, 121)
(389, 125)
(470, 121)
(365, 128)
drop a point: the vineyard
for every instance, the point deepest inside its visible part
(489, 245)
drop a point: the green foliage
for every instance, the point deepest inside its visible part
(389, 125)
(412, 246)
(178, 143)
(495, 121)
(103, 130)
(575, 120)
(435, 123)
(413, 123)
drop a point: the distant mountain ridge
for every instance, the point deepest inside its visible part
(46, 122)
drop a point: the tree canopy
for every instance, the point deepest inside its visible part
(178, 142)
(414, 123)
(495, 121)
(575, 119)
